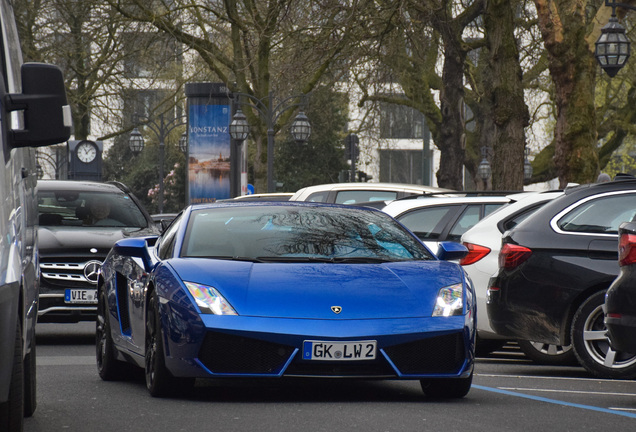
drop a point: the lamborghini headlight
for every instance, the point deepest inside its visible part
(209, 300)
(449, 301)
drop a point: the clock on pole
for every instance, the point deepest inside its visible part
(86, 151)
(85, 160)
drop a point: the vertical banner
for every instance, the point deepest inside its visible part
(209, 142)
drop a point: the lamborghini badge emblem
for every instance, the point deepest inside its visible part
(336, 309)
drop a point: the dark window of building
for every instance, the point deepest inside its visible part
(400, 122)
(402, 166)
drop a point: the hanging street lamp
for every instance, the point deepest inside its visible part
(612, 49)
(300, 128)
(484, 171)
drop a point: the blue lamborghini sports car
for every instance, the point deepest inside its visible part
(281, 289)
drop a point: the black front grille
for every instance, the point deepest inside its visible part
(225, 353)
(363, 368)
(66, 272)
(231, 354)
(440, 354)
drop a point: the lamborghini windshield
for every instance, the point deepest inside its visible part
(299, 233)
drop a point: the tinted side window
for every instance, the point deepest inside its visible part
(166, 244)
(468, 218)
(489, 208)
(318, 197)
(519, 217)
(602, 215)
(428, 223)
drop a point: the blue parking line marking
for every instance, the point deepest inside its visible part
(554, 401)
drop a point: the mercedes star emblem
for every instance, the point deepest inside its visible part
(91, 271)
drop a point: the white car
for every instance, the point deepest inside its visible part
(354, 193)
(437, 219)
(483, 241)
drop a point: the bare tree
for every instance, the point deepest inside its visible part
(88, 40)
(280, 47)
(410, 38)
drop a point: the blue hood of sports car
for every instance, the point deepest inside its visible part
(310, 290)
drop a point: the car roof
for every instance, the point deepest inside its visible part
(80, 186)
(397, 207)
(274, 196)
(621, 181)
(367, 186)
(514, 207)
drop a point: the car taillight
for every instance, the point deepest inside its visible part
(512, 255)
(475, 253)
(627, 249)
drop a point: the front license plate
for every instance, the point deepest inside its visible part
(339, 351)
(80, 296)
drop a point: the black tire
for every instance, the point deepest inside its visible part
(30, 380)
(109, 368)
(591, 345)
(12, 411)
(547, 354)
(446, 388)
(159, 381)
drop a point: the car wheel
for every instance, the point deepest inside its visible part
(591, 345)
(109, 368)
(12, 411)
(30, 381)
(159, 380)
(547, 354)
(446, 387)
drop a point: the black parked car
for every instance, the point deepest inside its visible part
(79, 223)
(554, 270)
(620, 301)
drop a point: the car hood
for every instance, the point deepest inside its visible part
(73, 241)
(292, 290)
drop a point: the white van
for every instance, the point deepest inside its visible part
(33, 112)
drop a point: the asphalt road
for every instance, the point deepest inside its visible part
(509, 393)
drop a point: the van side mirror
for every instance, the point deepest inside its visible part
(46, 113)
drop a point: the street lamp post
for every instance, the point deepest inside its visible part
(612, 49)
(40, 157)
(351, 153)
(527, 166)
(161, 128)
(484, 170)
(300, 128)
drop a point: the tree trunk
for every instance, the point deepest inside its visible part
(573, 71)
(505, 114)
(450, 138)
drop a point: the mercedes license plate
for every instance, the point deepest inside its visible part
(80, 296)
(339, 351)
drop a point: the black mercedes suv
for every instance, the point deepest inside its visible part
(79, 223)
